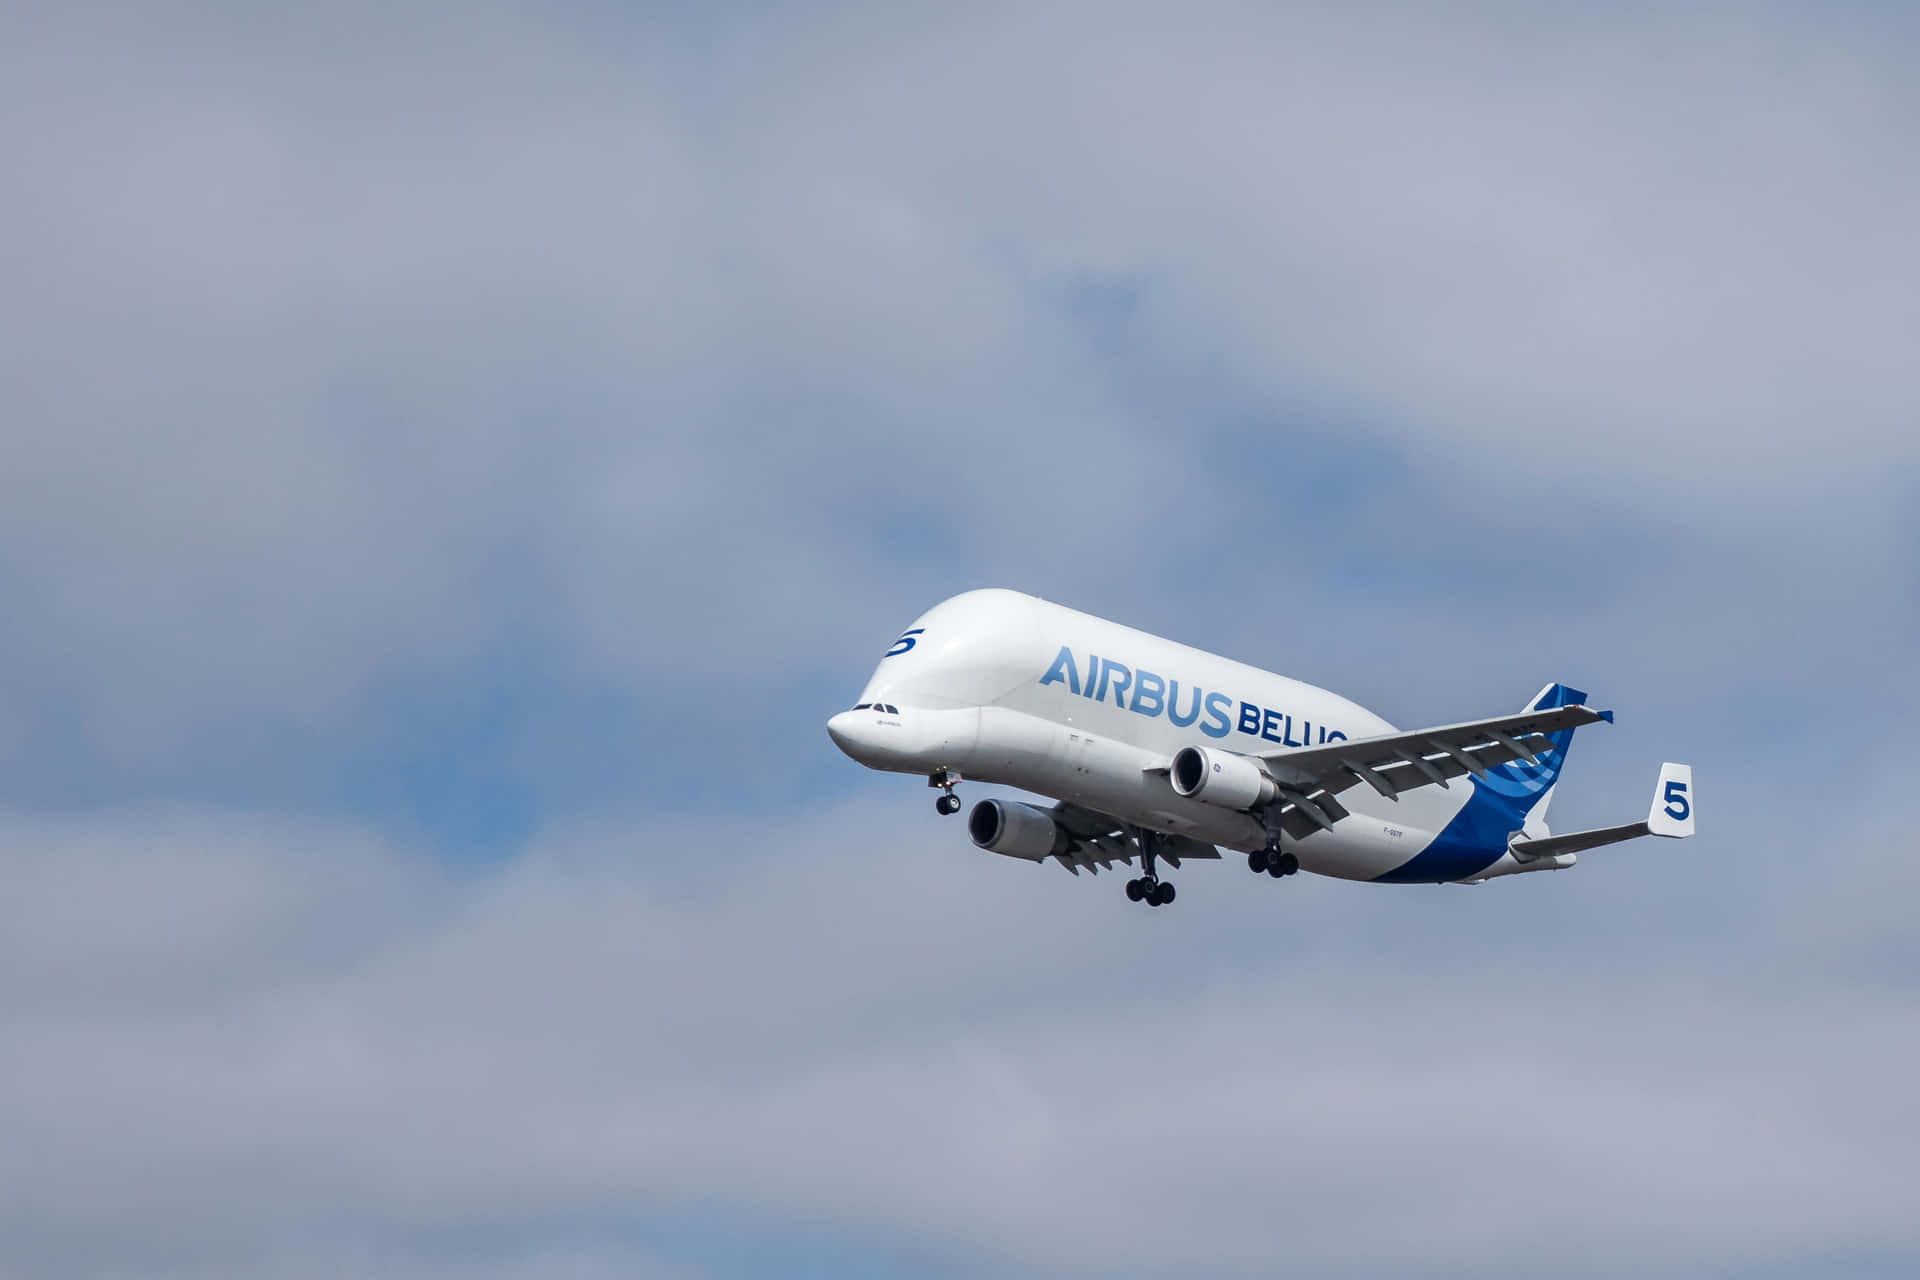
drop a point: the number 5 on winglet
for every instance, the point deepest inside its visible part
(1672, 812)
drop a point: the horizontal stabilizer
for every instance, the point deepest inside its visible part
(1576, 841)
(1671, 815)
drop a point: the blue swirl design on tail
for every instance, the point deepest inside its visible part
(1477, 836)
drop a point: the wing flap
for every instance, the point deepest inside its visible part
(1186, 847)
(1098, 838)
(1299, 816)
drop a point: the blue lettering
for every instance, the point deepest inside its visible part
(1217, 725)
(1149, 688)
(1154, 694)
(1062, 669)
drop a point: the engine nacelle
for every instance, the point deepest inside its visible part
(1221, 777)
(1017, 830)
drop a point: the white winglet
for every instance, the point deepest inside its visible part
(1672, 811)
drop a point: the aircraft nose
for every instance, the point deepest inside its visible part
(844, 730)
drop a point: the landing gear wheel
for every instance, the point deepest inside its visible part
(945, 780)
(1149, 888)
(1289, 863)
(1257, 861)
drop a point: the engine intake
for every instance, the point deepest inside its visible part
(1221, 778)
(1016, 830)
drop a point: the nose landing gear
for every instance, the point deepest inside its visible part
(945, 779)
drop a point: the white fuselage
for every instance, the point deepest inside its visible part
(1006, 688)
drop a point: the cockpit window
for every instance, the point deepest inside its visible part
(863, 706)
(890, 709)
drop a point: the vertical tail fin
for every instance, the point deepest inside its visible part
(1530, 786)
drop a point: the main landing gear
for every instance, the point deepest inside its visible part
(1272, 861)
(945, 779)
(1149, 888)
(1155, 893)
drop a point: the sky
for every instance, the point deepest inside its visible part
(457, 457)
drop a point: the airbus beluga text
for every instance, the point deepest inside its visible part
(1155, 750)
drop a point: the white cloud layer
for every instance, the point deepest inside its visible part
(230, 1043)
(343, 347)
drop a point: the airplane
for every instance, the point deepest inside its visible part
(1156, 750)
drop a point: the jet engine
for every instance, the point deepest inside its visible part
(1017, 830)
(1221, 777)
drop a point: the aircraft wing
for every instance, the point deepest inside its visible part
(1312, 778)
(1100, 841)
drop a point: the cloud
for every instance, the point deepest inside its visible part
(348, 352)
(305, 1035)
